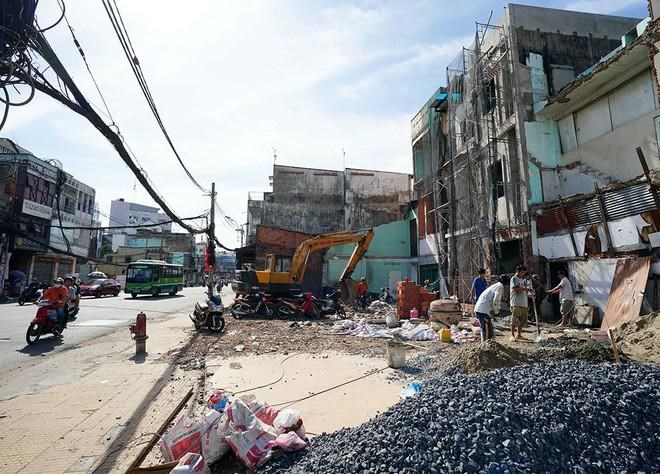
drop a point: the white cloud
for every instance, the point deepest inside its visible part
(232, 80)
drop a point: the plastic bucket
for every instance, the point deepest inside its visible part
(396, 355)
(445, 335)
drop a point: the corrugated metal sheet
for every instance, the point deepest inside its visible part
(627, 292)
(618, 204)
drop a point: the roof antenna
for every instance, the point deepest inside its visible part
(274, 155)
(343, 152)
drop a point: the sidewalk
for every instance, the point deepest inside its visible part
(115, 400)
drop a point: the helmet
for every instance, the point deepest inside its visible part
(363, 279)
(58, 281)
(68, 277)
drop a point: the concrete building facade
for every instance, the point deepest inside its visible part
(316, 201)
(127, 213)
(494, 88)
(39, 201)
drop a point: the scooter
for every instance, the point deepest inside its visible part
(331, 304)
(301, 305)
(386, 296)
(253, 304)
(31, 293)
(209, 314)
(45, 322)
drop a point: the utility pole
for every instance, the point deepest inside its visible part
(211, 245)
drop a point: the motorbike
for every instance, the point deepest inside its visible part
(386, 296)
(209, 314)
(31, 293)
(45, 322)
(257, 303)
(331, 304)
(299, 305)
(361, 303)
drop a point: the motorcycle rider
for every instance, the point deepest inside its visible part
(72, 296)
(57, 296)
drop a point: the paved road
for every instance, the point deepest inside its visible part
(97, 318)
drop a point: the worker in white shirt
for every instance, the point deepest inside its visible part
(567, 303)
(488, 305)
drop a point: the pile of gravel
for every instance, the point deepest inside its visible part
(570, 416)
(570, 347)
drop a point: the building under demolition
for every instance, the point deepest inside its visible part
(477, 178)
(317, 201)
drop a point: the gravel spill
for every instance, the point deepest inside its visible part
(569, 416)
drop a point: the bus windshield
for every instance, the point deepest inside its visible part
(138, 274)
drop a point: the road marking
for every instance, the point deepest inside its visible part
(101, 322)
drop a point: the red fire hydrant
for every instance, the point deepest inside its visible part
(139, 333)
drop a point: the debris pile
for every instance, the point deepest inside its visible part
(251, 430)
(639, 338)
(407, 331)
(509, 420)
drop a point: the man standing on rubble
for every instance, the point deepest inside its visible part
(518, 302)
(479, 284)
(565, 290)
(488, 305)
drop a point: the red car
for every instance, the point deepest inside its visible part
(100, 287)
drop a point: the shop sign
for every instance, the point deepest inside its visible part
(37, 210)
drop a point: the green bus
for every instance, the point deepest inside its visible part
(153, 277)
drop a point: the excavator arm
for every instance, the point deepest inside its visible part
(299, 260)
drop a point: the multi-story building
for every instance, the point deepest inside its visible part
(593, 160)
(39, 201)
(124, 213)
(315, 201)
(489, 178)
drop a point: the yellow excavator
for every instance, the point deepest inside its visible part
(277, 279)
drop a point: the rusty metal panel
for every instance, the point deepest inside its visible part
(627, 292)
(618, 204)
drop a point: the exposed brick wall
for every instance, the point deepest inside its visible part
(284, 243)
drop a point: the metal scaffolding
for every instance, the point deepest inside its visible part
(480, 103)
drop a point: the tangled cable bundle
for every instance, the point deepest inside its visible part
(17, 69)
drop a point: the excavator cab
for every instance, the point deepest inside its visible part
(283, 275)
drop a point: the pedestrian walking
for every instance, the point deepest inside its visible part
(488, 305)
(518, 302)
(479, 285)
(566, 299)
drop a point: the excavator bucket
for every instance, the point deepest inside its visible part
(349, 290)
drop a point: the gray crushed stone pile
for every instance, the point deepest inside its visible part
(570, 416)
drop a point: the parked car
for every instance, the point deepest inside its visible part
(100, 287)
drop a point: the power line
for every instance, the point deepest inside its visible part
(124, 39)
(82, 55)
(138, 226)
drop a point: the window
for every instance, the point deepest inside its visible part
(39, 190)
(283, 264)
(138, 274)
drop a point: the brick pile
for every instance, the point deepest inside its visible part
(411, 295)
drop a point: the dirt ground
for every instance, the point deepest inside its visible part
(250, 352)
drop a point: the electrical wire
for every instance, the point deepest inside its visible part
(124, 39)
(89, 70)
(135, 226)
(16, 63)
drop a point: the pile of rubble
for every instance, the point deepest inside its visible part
(639, 338)
(529, 418)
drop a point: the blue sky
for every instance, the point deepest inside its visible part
(232, 80)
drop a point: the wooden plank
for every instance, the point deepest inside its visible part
(627, 291)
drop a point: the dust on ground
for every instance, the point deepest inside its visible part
(639, 338)
(263, 337)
